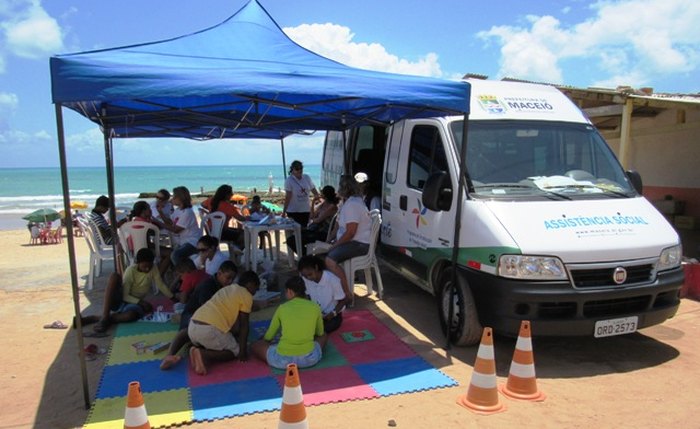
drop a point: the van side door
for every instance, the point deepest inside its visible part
(413, 237)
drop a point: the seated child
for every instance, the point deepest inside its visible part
(190, 277)
(324, 288)
(210, 329)
(302, 339)
(125, 297)
(248, 280)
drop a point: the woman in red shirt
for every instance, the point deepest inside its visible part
(221, 202)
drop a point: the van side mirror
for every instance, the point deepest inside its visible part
(437, 192)
(635, 179)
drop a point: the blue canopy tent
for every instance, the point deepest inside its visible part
(242, 78)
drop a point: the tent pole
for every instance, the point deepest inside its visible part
(71, 252)
(458, 224)
(109, 153)
(284, 160)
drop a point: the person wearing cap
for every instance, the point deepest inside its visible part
(125, 295)
(298, 188)
(370, 194)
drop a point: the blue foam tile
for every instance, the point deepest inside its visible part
(116, 378)
(236, 398)
(402, 376)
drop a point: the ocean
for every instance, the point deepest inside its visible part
(23, 190)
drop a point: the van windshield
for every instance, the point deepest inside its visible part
(541, 159)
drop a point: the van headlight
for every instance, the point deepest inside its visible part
(670, 258)
(524, 267)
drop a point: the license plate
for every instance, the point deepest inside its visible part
(608, 328)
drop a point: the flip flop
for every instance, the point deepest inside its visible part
(56, 324)
(197, 362)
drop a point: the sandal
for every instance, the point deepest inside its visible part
(101, 327)
(56, 324)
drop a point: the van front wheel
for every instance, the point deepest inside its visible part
(465, 329)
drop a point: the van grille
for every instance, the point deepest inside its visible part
(602, 276)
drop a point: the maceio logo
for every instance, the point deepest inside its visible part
(419, 212)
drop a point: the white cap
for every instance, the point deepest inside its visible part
(361, 177)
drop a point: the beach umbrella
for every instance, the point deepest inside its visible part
(272, 206)
(78, 205)
(42, 215)
(238, 198)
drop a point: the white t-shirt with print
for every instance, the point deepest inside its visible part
(211, 266)
(301, 192)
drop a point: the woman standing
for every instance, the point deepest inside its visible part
(298, 188)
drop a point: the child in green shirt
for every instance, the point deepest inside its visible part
(303, 337)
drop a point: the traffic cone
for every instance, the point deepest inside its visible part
(293, 414)
(482, 395)
(135, 416)
(522, 383)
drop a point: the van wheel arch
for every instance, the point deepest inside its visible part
(466, 329)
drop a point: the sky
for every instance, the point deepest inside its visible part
(639, 43)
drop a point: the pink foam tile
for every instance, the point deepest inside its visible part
(384, 346)
(224, 372)
(337, 384)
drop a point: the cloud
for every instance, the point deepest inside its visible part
(20, 138)
(86, 141)
(8, 105)
(631, 39)
(336, 42)
(29, 31)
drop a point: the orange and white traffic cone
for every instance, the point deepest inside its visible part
(135, 416)
(293, 414)
(482, 395)
(522, 383)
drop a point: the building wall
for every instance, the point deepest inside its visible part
(667, 155)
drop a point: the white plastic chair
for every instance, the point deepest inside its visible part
(213, 224)
(133, 236)
(98, 252)
(367, 262)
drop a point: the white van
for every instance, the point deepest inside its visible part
(552, 230)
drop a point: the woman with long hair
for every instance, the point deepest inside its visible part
(221, 202)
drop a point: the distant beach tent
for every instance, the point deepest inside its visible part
(272, 207)
(78, 205)
(42, 215)
(242, 78)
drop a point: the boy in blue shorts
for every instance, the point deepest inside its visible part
(125, 296)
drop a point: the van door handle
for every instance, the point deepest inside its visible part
(403, 202)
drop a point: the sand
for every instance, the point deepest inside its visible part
(647, 379)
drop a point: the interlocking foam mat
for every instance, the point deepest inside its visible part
(362, 360)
